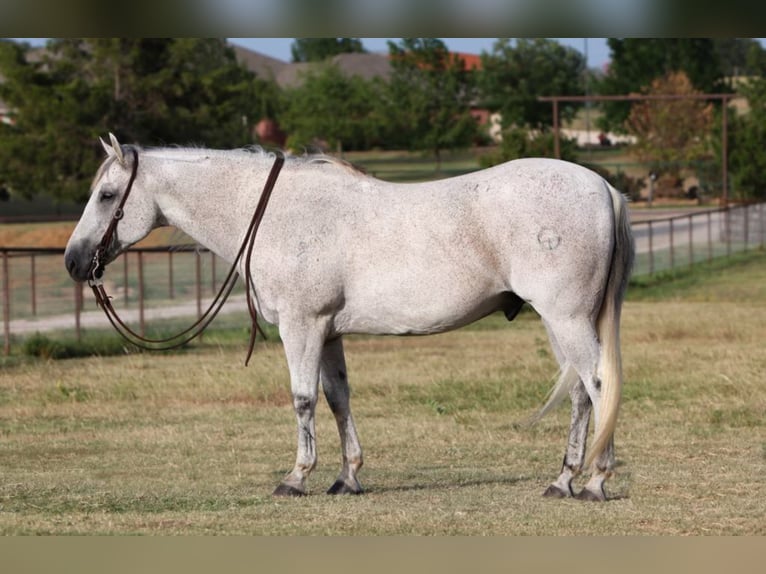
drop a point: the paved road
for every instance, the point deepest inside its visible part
(97, 319)
(702, 228)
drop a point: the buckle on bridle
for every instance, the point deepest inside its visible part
(96, 270)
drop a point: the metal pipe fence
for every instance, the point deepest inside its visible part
(38, 295)
(669, 243)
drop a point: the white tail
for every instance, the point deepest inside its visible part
(608, 327)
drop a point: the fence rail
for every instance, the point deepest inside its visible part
(38, 295)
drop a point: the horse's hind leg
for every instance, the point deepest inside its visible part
(577, 343)
(575, 452)
(594, 488)
(578, 428)
(334, 377)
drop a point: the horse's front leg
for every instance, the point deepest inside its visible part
(303, 348)
(334, 377)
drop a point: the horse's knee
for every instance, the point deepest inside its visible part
(303, 404)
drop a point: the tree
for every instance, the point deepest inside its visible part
(321, 49)
(151, 91)
(747, 140)
(637, 62)
(519, 142)
(739, 57)
(673, 131)
(51, 147)
(332, 107)
(517, 72)
(429, 97)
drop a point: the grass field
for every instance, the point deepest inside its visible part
(193, 442)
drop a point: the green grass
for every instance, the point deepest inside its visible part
(737, 277)
(194, 443)
(411, 167)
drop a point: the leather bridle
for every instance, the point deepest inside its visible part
(179, 339)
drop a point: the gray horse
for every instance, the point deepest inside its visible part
(341, 252)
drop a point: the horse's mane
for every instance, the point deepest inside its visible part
(177, 153)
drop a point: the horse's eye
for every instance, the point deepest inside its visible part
(106, 195)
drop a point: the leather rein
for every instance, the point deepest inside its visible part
(196, 329)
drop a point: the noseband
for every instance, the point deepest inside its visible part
(246, 249)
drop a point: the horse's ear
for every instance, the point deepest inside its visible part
(117, 149)
(107, 148)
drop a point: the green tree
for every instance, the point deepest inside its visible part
(636, 62)
(739, 57)
(185, 90)
(151, 91)
(747, 140)
(429, 96)
(518, 142)
(52, 146)
(517, 72)
(332, 108)
(321, 49)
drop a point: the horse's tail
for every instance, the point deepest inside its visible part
(608, 327)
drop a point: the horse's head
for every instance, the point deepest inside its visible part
(112, 221)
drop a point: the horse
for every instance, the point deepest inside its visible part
(340, 252)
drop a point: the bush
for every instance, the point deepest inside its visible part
(44, 348)
(621, 181)
(518, 143)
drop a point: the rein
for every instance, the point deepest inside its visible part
(196, 329)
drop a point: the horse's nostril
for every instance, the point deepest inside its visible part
(71, 265)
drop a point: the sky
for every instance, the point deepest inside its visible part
(598, 51)
(279, 48)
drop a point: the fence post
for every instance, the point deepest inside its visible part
(33, 281)
(6, 306)
(672, 242)
(125, 279)
(212, 272)
(709, 236)
(141, 292)
(198, 273)
(78, 300)
(691, 241)
(747, 234)
(651, 249)
(171, 288)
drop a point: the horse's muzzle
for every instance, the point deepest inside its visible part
(77, 264)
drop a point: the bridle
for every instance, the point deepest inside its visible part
(179, 339)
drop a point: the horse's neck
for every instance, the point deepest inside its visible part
(208, 199)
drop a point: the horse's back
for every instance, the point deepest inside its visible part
(421, 258)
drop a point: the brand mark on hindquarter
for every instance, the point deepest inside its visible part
(548, 239)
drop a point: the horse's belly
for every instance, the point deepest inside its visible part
(423, 309)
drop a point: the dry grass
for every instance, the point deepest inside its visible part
(56, 234)
(194, 442)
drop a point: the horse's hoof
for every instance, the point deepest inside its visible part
(341, 487)
(554, 491)
(287, 490)
(591, 496)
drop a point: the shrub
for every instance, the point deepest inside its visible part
(40, 346)
(518, 142)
